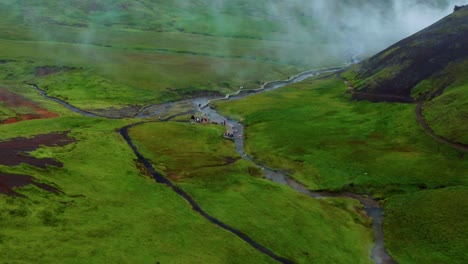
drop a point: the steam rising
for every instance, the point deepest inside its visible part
(366, 27)
(345, 26)
(308, 31)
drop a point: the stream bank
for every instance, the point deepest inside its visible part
(379, 255)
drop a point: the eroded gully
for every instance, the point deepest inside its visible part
(379, 255)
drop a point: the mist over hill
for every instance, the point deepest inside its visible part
(314, 28)
(366, 27)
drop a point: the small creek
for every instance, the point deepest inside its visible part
(379, 255)
(67, 105)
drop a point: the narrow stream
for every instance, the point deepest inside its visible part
(379, 255)
(195, 206)
(67, 105)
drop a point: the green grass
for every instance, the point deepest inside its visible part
(30, 94)
(90, 91)
(326, 141)
(428, 226)
(147, 51)
(447, 114)
(295, 226)
(141, 52)
(109, 212)
(104, 76)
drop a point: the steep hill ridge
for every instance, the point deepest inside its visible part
(398, 69)
(430, 67)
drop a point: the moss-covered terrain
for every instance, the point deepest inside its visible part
(73, 190)
(107, 209)
(122, 54)
(293, 225)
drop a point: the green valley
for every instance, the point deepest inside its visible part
(233, 131)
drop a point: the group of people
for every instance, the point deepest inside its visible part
(228, 133)
(231, 135)
(200, 120)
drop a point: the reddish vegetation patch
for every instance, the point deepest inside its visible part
(10, 181)
(13, 100)
(15, 151)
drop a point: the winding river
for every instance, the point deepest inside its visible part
(379, 255)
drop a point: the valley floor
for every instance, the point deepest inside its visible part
(93, 200)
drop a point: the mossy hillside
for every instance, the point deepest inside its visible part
(301, 228)
(428, 226)
(399, 68)
(328, 142)
(447, 114)
(108, 211)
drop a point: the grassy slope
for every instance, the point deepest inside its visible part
(154, 77)
(429, 66)
(109, 212)
(399, 68)
(146, 51)
(329, 142)
(447, 114)
(428, 226)
(291, 224)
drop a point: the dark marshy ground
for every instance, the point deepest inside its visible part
(15, 152)
(10, 181)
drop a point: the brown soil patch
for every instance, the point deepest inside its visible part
(10, 181)
(12, 100)
(15, 151)
(48, 70)
(376, 98)
(112, 112)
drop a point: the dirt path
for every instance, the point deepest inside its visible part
(427, 128)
